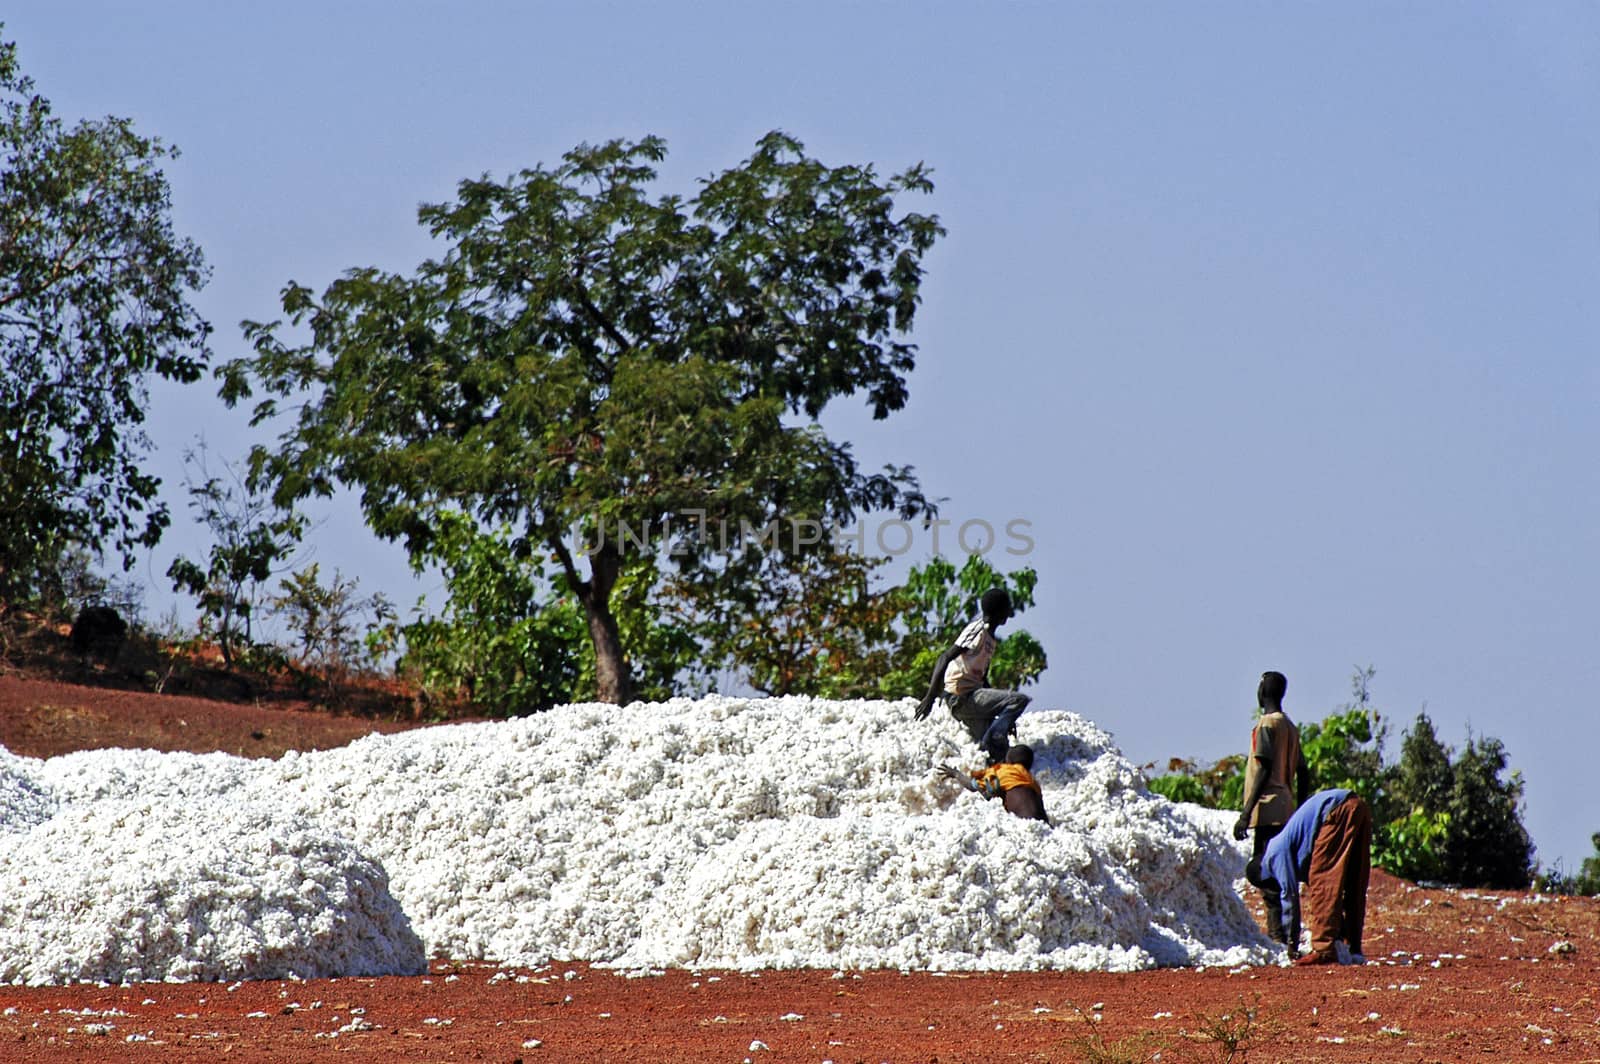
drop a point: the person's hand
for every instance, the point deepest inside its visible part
(950, 772)
(1241, 827)
(924, 708)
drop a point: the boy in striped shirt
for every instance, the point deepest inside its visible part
(961, 678)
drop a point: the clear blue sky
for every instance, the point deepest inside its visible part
(1278, 323)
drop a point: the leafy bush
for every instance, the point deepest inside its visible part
(1584, 882)
(1177, 787)
(1412, 846)
(252, 539)
(1486, 844)
(334, 627)
(1221, 786)
(499, 641)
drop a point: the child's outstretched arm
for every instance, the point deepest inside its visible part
(950, 772)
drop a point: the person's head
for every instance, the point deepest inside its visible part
(996, 606)
(1020, 755)
(1269, 695)
(1252, 872)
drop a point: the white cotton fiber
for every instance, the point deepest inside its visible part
(718, 832)
(137, 890)
(23, 802)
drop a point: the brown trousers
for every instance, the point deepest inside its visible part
(1335, 896)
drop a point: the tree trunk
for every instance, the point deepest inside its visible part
(613, 677)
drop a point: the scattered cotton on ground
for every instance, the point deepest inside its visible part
(719, 832)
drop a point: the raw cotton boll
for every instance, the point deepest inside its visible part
(130, 891)
(739, 832)
(965, 889)
(24, 800)
(115, 774)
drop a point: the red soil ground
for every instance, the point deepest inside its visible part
(1454, 975)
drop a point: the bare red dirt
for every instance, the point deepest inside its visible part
(1454, 975)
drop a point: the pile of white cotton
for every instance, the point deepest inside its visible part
(719, 832)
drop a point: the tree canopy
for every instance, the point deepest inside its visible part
(587, 366)
(820, 627)
(94, 300)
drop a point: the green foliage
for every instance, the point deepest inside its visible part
(666, 658)
(330, 621)
(1486, 844)
(938, 601)
(587, 360)
(1588, 878)
(808, 624)
(1424, 778)
(499, 639)
(513, 643)
(1181, 787)
(94, 290)
(1220, 786)
(1346, 750)
(1454, 821)
(1585, 882)
(814, 624)
(1409, 838)
(250, 541)
(1411, 845)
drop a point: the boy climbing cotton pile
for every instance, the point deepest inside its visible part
(961, 678)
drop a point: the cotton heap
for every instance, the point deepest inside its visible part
(712, 833)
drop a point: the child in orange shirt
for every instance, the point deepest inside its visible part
(1010, 780)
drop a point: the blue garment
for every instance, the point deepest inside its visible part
(1288, 856)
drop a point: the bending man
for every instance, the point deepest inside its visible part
(1327, 847)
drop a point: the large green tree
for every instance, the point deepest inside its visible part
(586, 364)
(94, 300)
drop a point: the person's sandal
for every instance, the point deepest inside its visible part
(1317, 956)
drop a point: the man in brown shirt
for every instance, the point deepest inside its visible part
(1274, 758)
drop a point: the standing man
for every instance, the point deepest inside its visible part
(961, 675)
(1274, 758)
(1327, 847)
